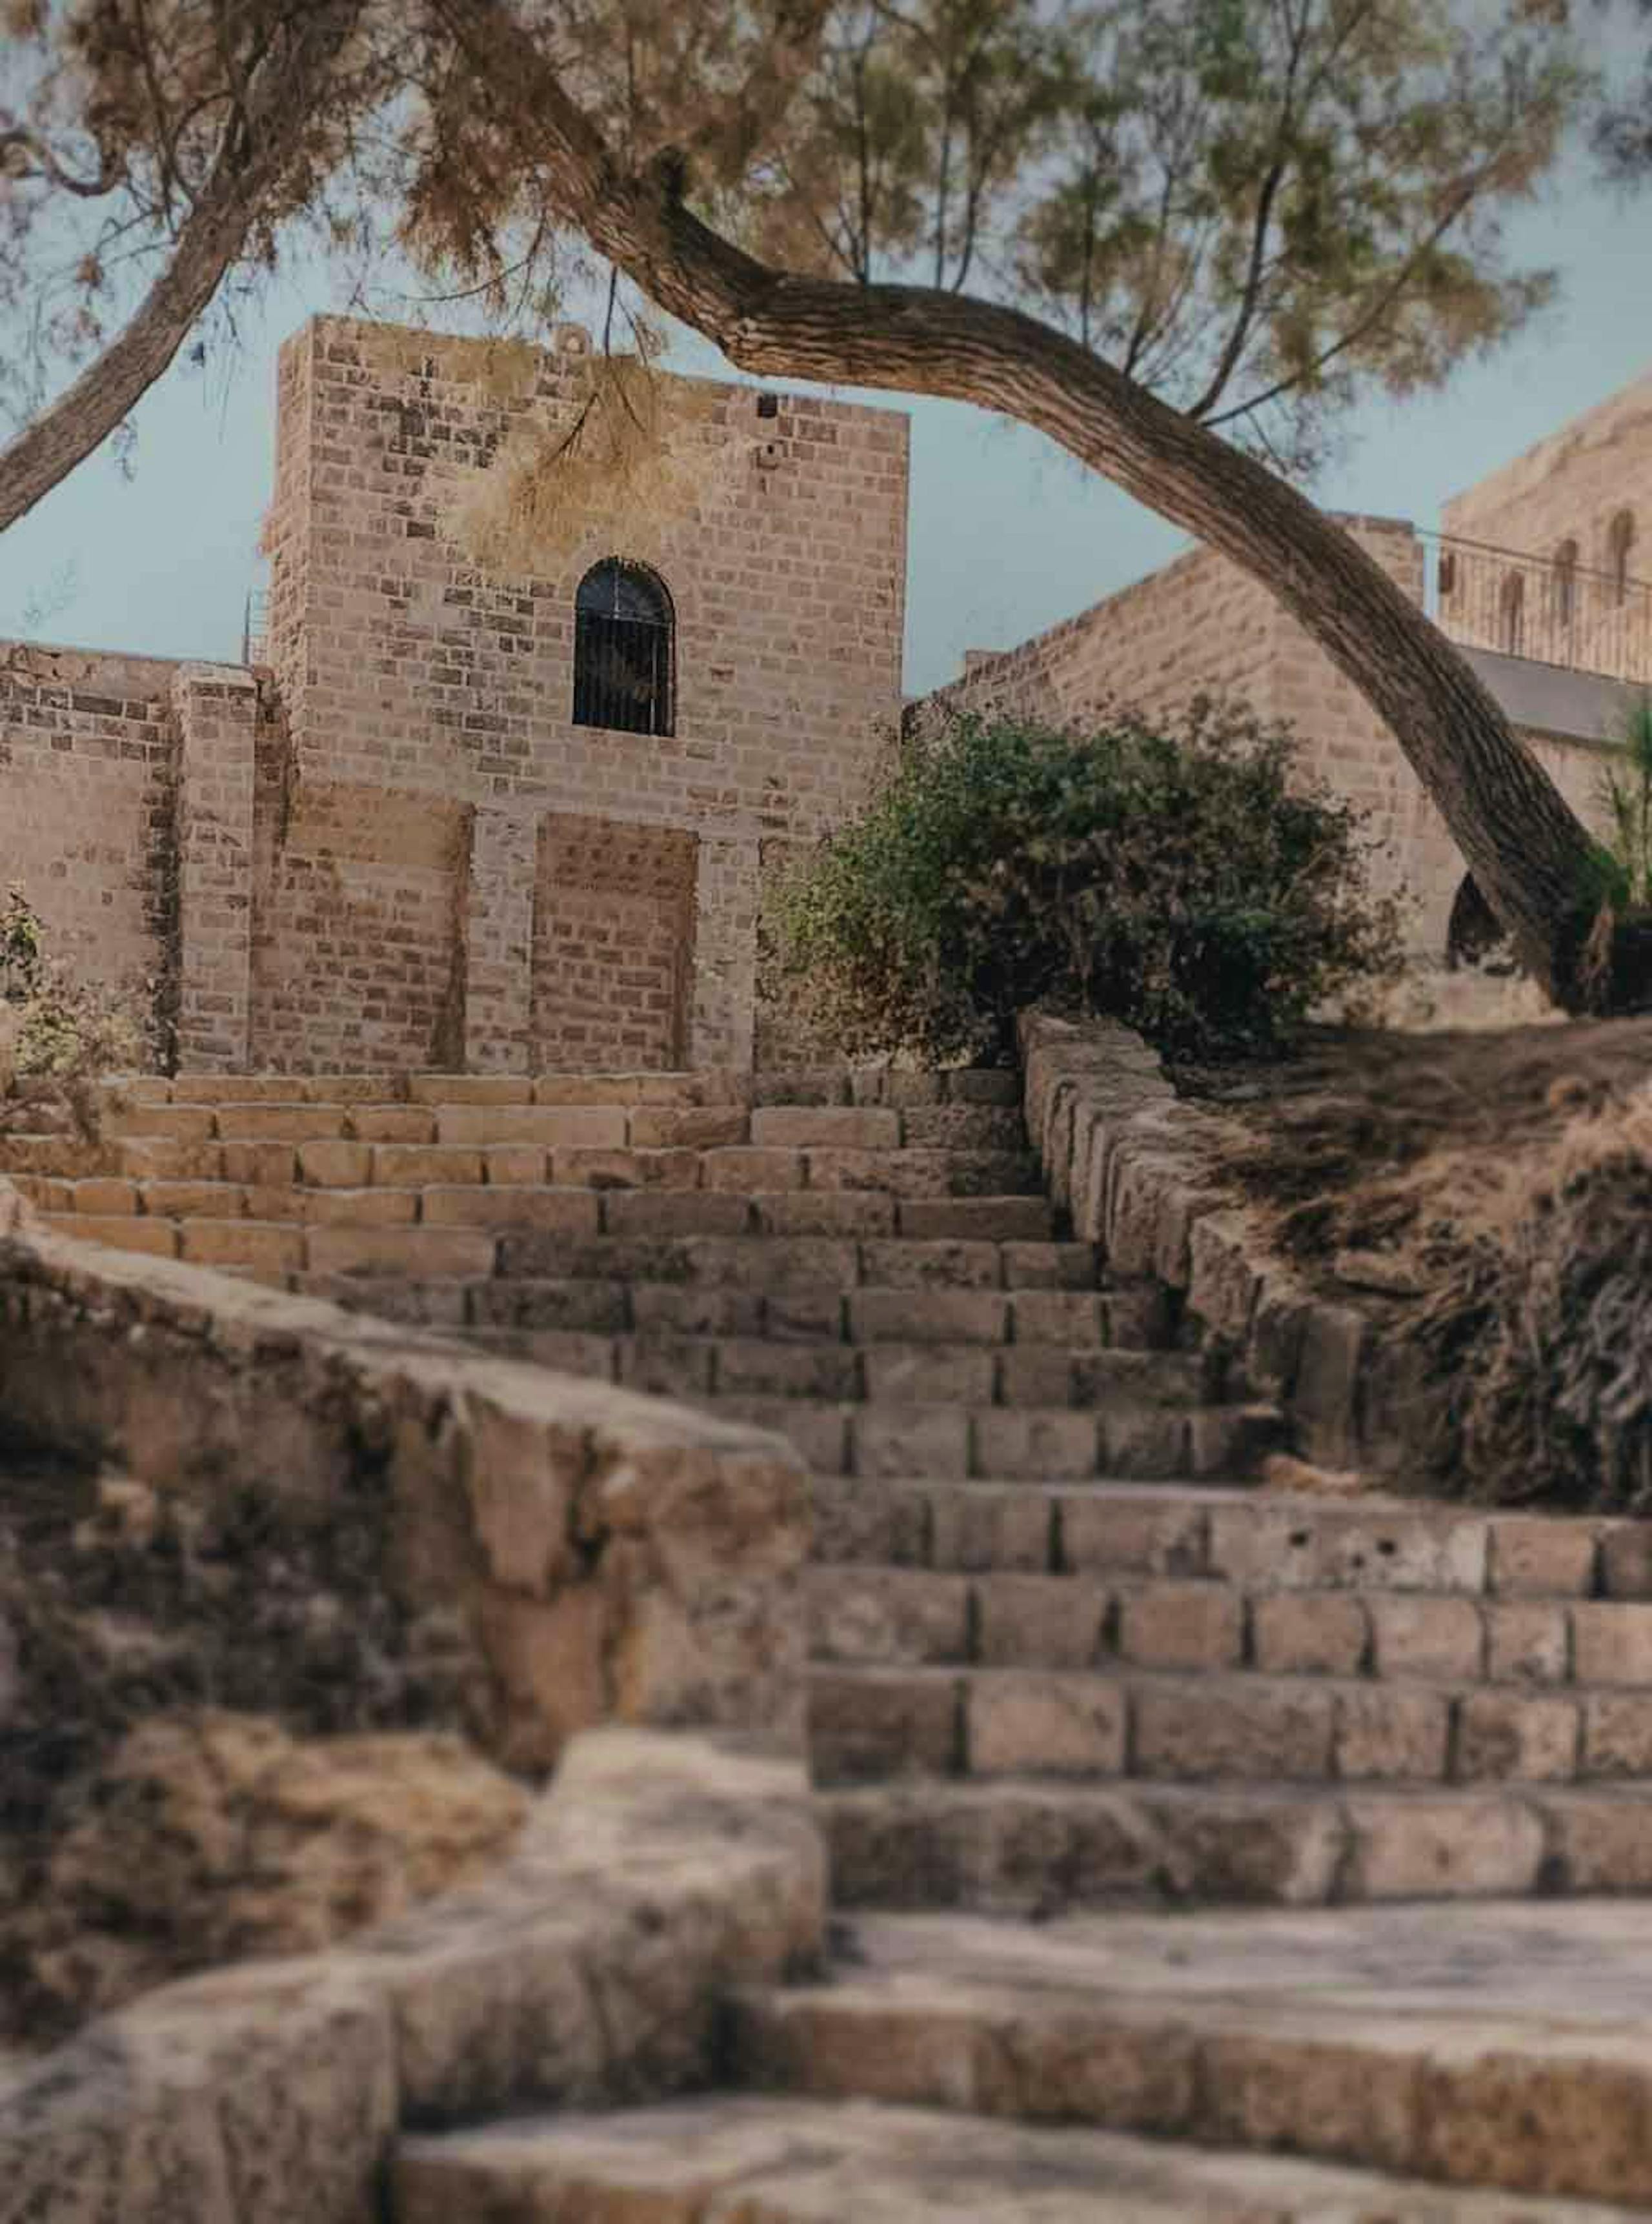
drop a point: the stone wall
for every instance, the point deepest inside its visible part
(1571, 487)
(88, 771)
(410, 679)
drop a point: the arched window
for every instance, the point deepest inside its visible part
(1566, 585)
(1512, 614)
(623, 639)
(1620, 538)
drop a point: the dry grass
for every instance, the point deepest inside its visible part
(1503, 1183)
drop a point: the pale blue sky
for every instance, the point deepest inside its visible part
(1007, 533)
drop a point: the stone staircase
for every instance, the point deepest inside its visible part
(1075, 1679)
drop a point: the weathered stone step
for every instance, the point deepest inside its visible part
(1027, 1846)
(757, 2159)
(812, 1085)
(831, 1139)
(869, 1724)
(1503, 2047)
(1128, 1438)
(1261, 1541)
(672, 1365)
(883, 1616)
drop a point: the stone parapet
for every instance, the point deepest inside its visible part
(1140, 1171)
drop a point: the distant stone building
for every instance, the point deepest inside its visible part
(1535, 576)
(455, 820)
(446, 818)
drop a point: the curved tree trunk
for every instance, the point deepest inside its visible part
(260, 144)
(1528, 853)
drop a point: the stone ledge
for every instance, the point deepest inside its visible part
(657, 1874)
(617, 1558)
(1139, 1169)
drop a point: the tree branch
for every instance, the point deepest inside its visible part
(250, 165)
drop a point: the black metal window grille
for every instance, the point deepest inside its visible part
(623, 631)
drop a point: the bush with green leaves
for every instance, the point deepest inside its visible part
(62, 1030)
(1180, 876)
(1624, 795)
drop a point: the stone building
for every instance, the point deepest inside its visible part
(1535, 576)
(449, 816)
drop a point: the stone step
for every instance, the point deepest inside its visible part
(827, 1135)
(1263, 1541)
(1505, 2047)
(822, 1086)
(1026, 1846)
(678, 1366)
(873, 1615)
(749, 2159)
(1129, 1437)
(869, 1724)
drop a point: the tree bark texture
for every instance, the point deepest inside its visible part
(260, 145)
(1527, 851)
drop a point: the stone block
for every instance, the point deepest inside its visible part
(1600, 1841)
(963, 1126)
(1233, 1728)
(928, 1441)
(442, 1089)
(990, 1219)
(393, 1123)
(279, 1123)
(270, 1166)
(1018, 1722)
(666, 1366)
(475, 1127)
(675, 1212)
(745, 1169)
(926, 1374)
(1310, 1633)
(105, 1195)
(1626, 1559)
(1441, 1638)
(177, 1200)
(1035, 1375)
(567, 1211)
(874, 1723)
(1391, 1732)
(577, 1167)
(1102, 1532)
(331, 1165)
(1616, 1735)
(868, 1616)
(786, 1370)
(1506, 1736)
(270, 1247)
(1612, 1643)
(159, 1157)
(1185, 1625)
(181, 1123)
(1138, 1439)
(809, 1127)
(906, 1265)
(512, 1165)
(121, 1231)
(806, 1212)
(460, 1252)
(1034, 1443)
(933, 1315)
(695, 1127)
(1222, 1283)
(980, 1527)
(1051, 1266)
(1064, 1317)
(1537, 1556)
(1526, 1641)
(1038, 1621)
(1262, 2089)
(1452, 1848)
(367, 1208)
(411, 1165)
(1279, 1544)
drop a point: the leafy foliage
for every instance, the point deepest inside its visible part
(1625, 800)
(63, 1031)
(1180, 879)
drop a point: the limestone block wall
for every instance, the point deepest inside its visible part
(406, 673)
(1571, 487)
(88, 770)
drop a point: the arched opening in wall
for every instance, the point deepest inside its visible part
(624, 650)
(1620, 538)
(1474, 935)
(1565, 585)
(613, 948)
(1512, 615)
